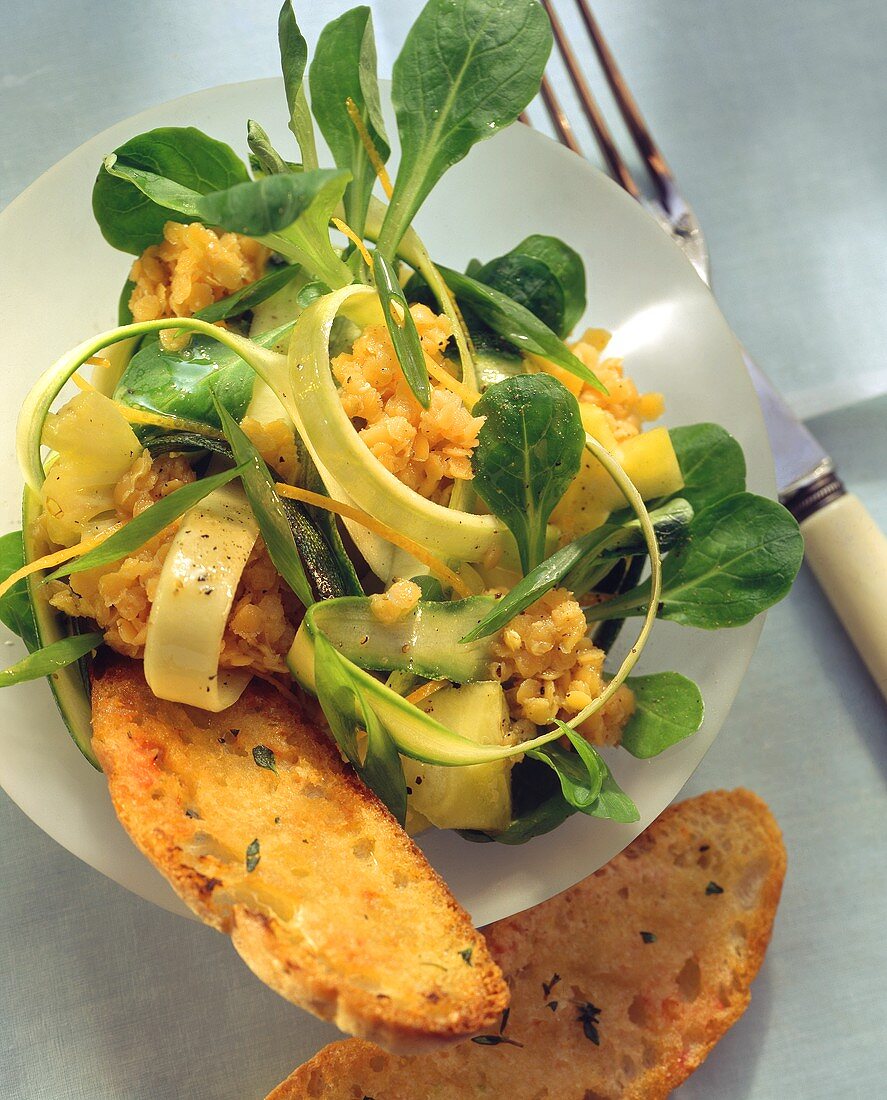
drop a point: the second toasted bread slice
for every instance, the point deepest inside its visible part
(268, 836)
(620, 985)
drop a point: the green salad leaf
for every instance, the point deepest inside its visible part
(466, 70)
(46, 661)
(574, 563)
(346, 711)
(16, 611)
(289, 213)
(274, 526)
(185, 382)
(516, 324)
(741, 556)
(146, 525)
(268, 160)
(668, 709)
(545, 276)
(711, 461)
(402, 329)
(131, 220)
(251, 295)
(529, 450)
(344, 67)
(293, 58)
(579, 771)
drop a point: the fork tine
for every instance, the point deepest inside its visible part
(634, 120)
(604, 137)
(558, 116)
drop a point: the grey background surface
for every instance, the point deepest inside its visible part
(772, 115)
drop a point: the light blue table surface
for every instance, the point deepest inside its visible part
(773, 116)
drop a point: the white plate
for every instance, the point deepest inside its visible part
(59, 283)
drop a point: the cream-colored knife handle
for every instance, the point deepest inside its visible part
(848, 554)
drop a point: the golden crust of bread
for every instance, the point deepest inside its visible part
(620, 986)
(323, 894)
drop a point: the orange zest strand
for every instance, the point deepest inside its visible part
(371, 151)
(343, 227)
(98, 361)
(404, 542)
(425, 690)
(57, 557)
(465, 394)
(82, 384)
(171, 423)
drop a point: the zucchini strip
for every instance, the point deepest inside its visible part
(337, 450)
(29, 432)
(194, 597)
(348, 511)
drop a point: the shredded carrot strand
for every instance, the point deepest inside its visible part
(57, 557)
(425, 690)
(371, 151)
(465, 394)
(343, 227)
(171, 423)
(348, 511)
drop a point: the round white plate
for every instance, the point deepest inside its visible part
(59, 283)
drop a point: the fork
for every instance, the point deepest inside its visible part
(843, 546)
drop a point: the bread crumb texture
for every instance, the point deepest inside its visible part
(620, 985)
(268, 836)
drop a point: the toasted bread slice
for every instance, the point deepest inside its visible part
(323, 894)
(620, 986)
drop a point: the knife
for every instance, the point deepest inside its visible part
(843, 545)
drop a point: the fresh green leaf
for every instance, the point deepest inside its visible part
(516, 324)
(185, 442)
(146, 525)
(293, 58)
(184, 382)
(269, 160)
(347, 713)
(16, 611)
(741, 557)
(344, 67)
(566, 265)
(467, 69)
(711, 461)
(544, 275)
(310, 292)
(46, 661)
(402, 329)
(613, 804)
(574, 563)
(579, 772)
(129, 219)
(256, 208)
(668, 709)
(529, 450)
(266, 507)
(248, 297)
(265, 758)
(528, 282)
(545, 817)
